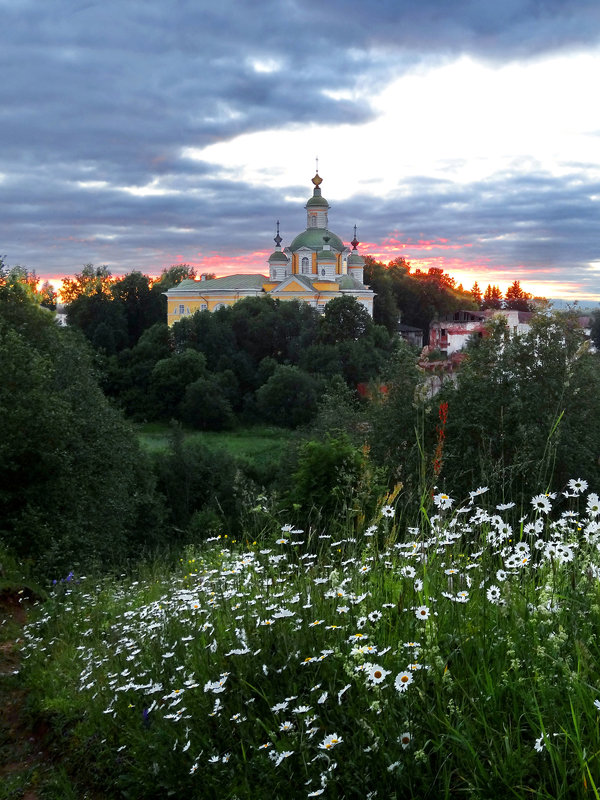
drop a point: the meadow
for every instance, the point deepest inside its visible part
(252, 442)
(451, 654)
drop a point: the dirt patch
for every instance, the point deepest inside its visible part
(21, 751)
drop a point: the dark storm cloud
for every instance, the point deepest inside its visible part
(491, 29)
(113, 92)
(521, 223)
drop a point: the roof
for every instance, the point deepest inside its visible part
(355, 259)
(317, 201)
(241, 282)
(278, 255)
(313, 238)
(305, 280)
(348, 282)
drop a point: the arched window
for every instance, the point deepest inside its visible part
(305, 265)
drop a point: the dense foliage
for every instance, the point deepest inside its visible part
(523, 410)
(259, 360)
(74, 485)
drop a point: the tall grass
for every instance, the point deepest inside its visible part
(453, 658)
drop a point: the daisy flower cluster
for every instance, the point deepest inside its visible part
(283, 665)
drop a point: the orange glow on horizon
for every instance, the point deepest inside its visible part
(538, 282)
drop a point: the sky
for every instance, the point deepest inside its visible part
(144, 133)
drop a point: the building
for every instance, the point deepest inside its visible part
(450, 335)
(316, 267)
(410, 334)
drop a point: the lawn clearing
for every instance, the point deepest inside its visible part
(252, 442)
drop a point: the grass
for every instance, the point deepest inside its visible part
(457, 658)
(249, 443)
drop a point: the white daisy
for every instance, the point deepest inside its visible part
(330, 741)
(443, 501)
(377, 674)
(403, 681)
(541, 503)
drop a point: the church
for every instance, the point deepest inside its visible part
(316, 267)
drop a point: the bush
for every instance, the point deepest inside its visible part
(289, 397)
(195, 478)
(333, 482)
(205, 407)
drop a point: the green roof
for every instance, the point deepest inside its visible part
(228, 282)
(313, 239)
(355, 259)
(278, 255)
(348, 282)
(317, 201)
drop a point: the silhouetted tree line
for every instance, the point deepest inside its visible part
(417, 298)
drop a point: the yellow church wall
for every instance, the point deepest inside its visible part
(295, 287)
(191, 305)
(326, 286)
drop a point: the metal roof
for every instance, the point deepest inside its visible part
(227, 283)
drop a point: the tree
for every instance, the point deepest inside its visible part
(141, 306)
(198, 483)
(595, 329)
(437, 276)
(516, 299)
(170, 378)
(205, 406)
(393, 418)
(48, 296)
(344, 319)
(492, 298)
(74, 485)
(101, 320)
(20, 305)
(476, 293)
(521, 415)
(173, 275)
(289, 398)
(333, 483)
(385, 308)
(419, 297)
(127, 375)
(19, 279)
(91, 280)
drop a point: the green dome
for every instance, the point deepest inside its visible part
(313, 239)
(355, 260)
(278, 255)
(317, 201)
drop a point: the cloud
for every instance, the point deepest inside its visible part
(100, 101)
